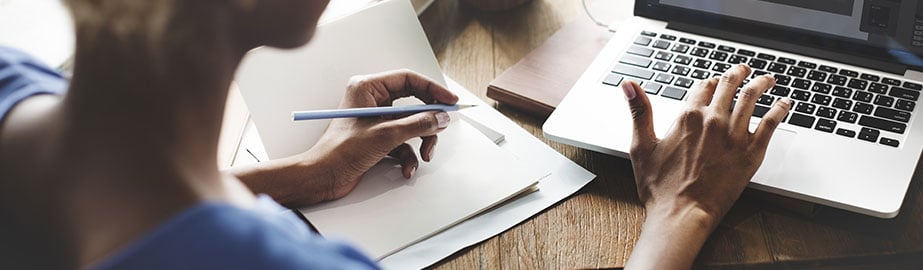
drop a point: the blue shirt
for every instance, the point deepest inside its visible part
(210, 235)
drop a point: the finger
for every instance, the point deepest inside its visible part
(405, 83)
(770, 121)
(409, 163)
(642, 118)
(746, 101)
(416, 125)
(706, 90)
(727, 88)
(428, 146)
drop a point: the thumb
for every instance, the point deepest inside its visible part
(417, 125)
(641, 115)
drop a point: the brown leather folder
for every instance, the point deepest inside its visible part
(538, 82)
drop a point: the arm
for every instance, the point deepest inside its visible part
(351, 146)
(684, 179)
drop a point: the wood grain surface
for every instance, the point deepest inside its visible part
(598, 226)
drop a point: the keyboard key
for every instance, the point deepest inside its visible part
(726, 48)
(863, 108)
(737, 59)
(863, 96)
(890, 81)
(836, 79)
(687, 41)
(668, 37)
(801, 95)
(718, 56)
(707, 44)
(891, 114)
(635, 61)
(652, 88)
(700, 74)
(781, 91)
(661, 66)
(817, 75)
(858, 84)
(878, 88)
(680, 48)
(682, 59)
(757, 73)
(765, 100)
(683, 82)
(904, 93)
(636, 50)
(882, 124)
(807, 65)
(777, 68)
(767, 57)
(760, 111)
(643, 41)
(648, 33)
(681, 70)
(821, 99)
(867, 134)
(825, 125)
(807, 108)
(797, 72)
(905, 105)
(914, 86)
(869, 77)
(757, 63)
(801, 120)
(850, 73)
(847, 116)
(786, 60)
(821, 88)
(843, 104)
(827, 69)
(826, 112)
(613, 79)
(746, 52)
(699, 52)
(846, 132)
(884, 101)
(701, 63)
(842, 92)
(633, 71)
(674, 93)
(664, 78)
(661, 44)
(801, 84)
(782, 79)
(889, 142)
(663, 55)
(721, 67)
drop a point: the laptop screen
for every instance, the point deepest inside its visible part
(885, 30)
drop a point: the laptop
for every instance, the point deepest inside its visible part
(852, 67)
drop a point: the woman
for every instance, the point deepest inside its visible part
(120, 171)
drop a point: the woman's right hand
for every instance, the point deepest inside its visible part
(691, 177)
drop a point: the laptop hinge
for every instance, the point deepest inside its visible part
(894, 68)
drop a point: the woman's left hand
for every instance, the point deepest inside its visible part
(351, 146)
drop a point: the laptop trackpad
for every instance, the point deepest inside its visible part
(775, 154)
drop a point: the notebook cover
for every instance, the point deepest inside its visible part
(538, 82)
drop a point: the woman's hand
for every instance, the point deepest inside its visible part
(351, 146)
(691, 177)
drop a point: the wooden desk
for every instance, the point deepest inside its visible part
(598, 226)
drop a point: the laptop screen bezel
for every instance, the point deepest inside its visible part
(654, 10)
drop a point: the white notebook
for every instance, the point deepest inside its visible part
(468, 174)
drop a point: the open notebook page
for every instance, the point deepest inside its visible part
(386, 212)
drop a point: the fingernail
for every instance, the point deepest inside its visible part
(442, 119)
(786, 101)
(429, 152)
(413, 171)
(629, 90)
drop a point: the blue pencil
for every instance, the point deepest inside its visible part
(374, 111)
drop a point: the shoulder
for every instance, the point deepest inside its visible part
(220, 236)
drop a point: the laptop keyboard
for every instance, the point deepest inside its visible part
(828, 99)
